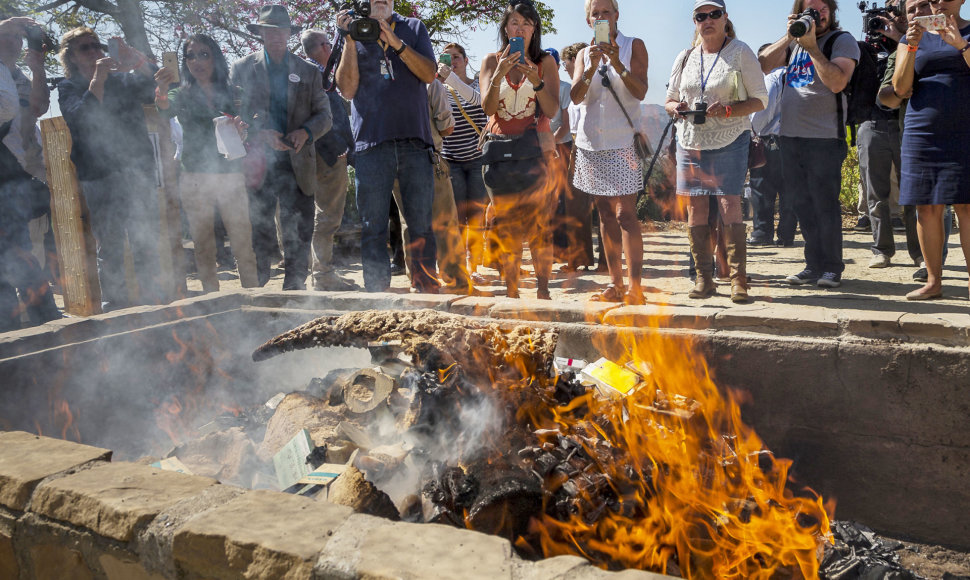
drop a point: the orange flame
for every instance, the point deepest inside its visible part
(697, 490)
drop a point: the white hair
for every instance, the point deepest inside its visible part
(589, 6)
(307, 36)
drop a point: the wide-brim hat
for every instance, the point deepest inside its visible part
(714, 3)
(273, 16)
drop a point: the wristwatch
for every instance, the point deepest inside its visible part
(398, 51)
(625, 73)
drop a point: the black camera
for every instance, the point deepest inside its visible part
(803, 23)
(698, 115)
(362, 27)
(874, 19)
(38, 39)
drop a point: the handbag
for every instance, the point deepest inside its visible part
(756, 153)
(512, 163)
(640, 144)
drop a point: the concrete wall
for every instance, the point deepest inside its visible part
(872, 408)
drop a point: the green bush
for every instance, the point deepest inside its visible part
(849, 196)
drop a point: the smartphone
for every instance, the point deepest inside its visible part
(933, 22)
(170, 60)
(517, 45)
(445, 59)
(601, 32)
(114, 48)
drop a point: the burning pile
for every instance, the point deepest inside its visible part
(475, 426)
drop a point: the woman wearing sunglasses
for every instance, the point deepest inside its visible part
(520, 93)
(102, 99)
(209, 181)
(935, 68)
(714, 87)
(608, 85)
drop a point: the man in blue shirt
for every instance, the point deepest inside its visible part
(287, 109)
(386, 83)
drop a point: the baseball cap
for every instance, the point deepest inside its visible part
(555, 54)
(715, 3)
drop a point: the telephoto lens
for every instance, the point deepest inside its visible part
(800, 27)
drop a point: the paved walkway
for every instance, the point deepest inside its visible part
(665, 271)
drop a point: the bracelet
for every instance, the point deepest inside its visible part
(159, 96)
(727, 111)
(540, 86)
(398, 51)
(587, 81)
(625, 73)
(965, 48)
(910, 48)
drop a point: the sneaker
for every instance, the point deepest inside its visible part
(898, 225)
(879, 261)
(921, 275)
(830, 280)
(863, 225)
(785, 243)
(806, 276)
(331, 282)
(758, 241)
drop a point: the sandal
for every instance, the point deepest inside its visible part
(634, 298)
(612, 293)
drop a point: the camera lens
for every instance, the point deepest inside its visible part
(799, 28)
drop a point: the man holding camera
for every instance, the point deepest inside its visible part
(285, 105)
(820, 62)
(384, 72)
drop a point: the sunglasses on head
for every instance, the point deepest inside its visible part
(201, 55)
(713, 15)
(514, 3)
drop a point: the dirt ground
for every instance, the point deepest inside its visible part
(665, 276)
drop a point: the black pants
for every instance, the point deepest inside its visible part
(813, 176)
(296, 220)
(767, 185)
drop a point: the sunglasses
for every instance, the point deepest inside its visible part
(201, 55)
(939, 1)
(90, 47)
(713, 15)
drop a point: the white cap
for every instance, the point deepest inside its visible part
(703, 3)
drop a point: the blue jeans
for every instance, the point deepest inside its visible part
(467, 182)
(408, 161)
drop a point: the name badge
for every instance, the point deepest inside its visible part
(294, 78)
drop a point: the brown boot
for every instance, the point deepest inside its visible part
(703, 252)
(737, 253)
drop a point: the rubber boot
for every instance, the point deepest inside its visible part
(737, 254)
(703, 252)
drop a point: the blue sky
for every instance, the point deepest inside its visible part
(666, 28)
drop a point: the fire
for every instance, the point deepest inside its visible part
(692, 490)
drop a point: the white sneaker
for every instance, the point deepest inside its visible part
(879, 261)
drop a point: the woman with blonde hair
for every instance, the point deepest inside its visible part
(714, 88)
(609, 81)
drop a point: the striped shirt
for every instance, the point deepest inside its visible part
(462, 145)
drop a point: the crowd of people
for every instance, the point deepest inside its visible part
(476, 166)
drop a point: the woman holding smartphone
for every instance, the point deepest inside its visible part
(460, 150)
(521, 93)
(609, 82)
(208, 181)
(935, 68)
(714, 88)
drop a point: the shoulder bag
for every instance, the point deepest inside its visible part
(640, 143)
(512, 163)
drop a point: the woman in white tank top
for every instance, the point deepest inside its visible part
(606, 165)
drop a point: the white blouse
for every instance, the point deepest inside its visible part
(733, 77)
(600, 124)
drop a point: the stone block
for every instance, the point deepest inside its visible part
(949, 328)
(652, 316)
(26, 459)
(549, 311)
(420, 551)
(115, 499)
(352, 301)
(117, 569)
(549, 569)
(592, 573)
(870, 324)
(9, 566)
(57, 562)
(474, 305)
(259, 534)
(779, 319)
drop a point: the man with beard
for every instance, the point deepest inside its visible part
(386, 83)
(820, 65)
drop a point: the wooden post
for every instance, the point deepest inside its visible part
(76, 248)
(172, 275)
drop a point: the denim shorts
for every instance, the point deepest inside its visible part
(713, 172)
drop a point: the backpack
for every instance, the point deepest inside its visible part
(862, 90)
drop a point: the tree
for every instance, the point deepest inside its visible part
(152, 25)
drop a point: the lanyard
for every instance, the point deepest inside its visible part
(703, 78)
(384, 44)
